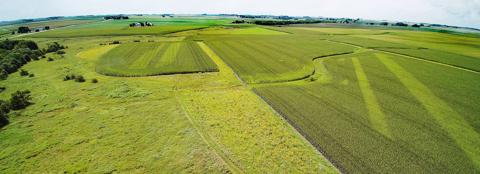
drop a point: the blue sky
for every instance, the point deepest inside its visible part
(452, 12)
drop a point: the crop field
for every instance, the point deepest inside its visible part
(448, 58)
(203, 95)
(381, 111)
(121, 28)
(269, 60)
(157, 58)
(241, 31)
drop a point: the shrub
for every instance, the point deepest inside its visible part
(136, 41)
(4, 110)
(94, 81)
(60, 52)
(69, 77)
(49, 59)
(3, 120)
(31, 75)
(115, 42)
(54, 47)
(79, 78)
(23, 72)
(2, 88)
(4, 107)
(20, 100)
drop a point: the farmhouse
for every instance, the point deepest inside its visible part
(141, 24)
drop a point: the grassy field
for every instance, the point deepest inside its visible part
(173, 124)
(154, 58)
(293, 99)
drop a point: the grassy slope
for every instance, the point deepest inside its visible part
(146, 124)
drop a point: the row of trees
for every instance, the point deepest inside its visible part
(271, 22)
(18, 100)
(118, 17)
(25, 29)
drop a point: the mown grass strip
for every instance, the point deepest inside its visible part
(224, 70)
(456, 126)
(375, 113)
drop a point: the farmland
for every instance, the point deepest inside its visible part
(198, 94)
(143, 59)
(264, 59)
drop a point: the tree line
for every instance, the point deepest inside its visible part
(117, 17)
(16, 53)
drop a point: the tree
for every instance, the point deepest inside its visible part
(20, 100)
(384, 23)
(23, 29)
(416, 25)
(46, 28)
(27, 44)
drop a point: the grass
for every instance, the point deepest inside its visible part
(145, 124)
(370, 100)
(151, 58)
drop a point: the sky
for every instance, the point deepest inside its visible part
(450, 12)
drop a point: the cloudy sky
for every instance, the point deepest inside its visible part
(452, 12)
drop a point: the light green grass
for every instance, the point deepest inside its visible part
(145, 124)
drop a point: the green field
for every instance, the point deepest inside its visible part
(121, 27)
(267, 59)
(198, 94)
(147, 59)
(380, 107)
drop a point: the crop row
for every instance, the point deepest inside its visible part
(144, 59)
(335, 118)
(259, 60)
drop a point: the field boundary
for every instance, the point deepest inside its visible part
(300, 132)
